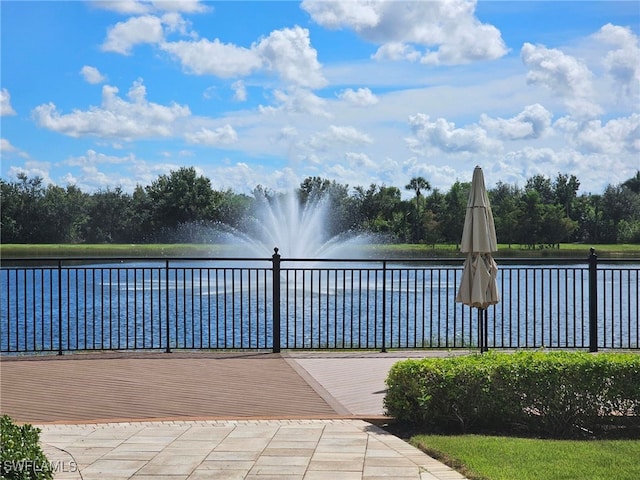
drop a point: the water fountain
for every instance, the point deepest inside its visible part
(297, 230)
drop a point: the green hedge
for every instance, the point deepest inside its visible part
(557, 394)
(21, 457)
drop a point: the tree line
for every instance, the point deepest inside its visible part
(183, 207)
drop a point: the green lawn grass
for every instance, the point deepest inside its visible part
(362, 251)
(109, 250)
(509, 458)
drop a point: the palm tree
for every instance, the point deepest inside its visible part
(633, 183)
(418, 184)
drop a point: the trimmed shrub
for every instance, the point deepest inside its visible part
(21, 457)
(557, 394)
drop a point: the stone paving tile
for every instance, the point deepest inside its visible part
(275, 460)
(332, 475)
(158, 477)
(285, 452)
(218, 475)
(110, 468)
(305, 450)
(139, 447)
(412, 471)
(187, 447)
(211, 465)
(207, 433)
(342, 465)
(217, 456)
(282, 470)
(116, 454)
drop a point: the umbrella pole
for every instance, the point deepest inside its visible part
(483, 326)
(485, 329)
(480, 333)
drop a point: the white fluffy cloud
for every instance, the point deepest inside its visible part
(115, 118)
(123, 36)
(532, 122)
(92, 74)
(137, 7)
(297, 101)
(146, 29)
(616, 137)
(5, 103)
(441, 135)
(339, 135)
(93, 158)
(239, 91)
(359, 161)
(205, 57)
(287, 53)
(565, 75)
(362, 97)
(433, 32)
(6, 147)
(220, 136)
(622, 63)
(357, 15)
(94, 170)
(186, 6)
(130, 7)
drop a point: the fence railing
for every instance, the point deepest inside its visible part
(58, 305)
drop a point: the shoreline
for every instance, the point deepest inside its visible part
(387, 251)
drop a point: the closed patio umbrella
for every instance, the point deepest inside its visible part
(478, 285)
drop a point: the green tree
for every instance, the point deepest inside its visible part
(337, 199)
(456, 200)
(542, 185)
(21, 213)
(436, 206)
(633, 183)
(565, 190)
(505, 204)
(584, 212)
(139, 216)
(431, 228)
(618, 203)
(108, 217)
(418, 185)
(530, 218)
(313, 189)
(230, 208)
(555, 226)
(65, 211)
(377, 207)
(10, 224)
(182, 197)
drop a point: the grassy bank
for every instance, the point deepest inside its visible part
(510, 251)
(481, 457)
(110, 250)
(363, 251)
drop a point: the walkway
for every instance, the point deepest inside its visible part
(224, 415)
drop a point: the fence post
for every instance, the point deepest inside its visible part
(59, 306)
(384, 306)
(593, 301)
(166, 302)
(275, 328)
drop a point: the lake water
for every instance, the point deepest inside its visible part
(228, 305)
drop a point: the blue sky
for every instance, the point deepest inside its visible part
(104, 94)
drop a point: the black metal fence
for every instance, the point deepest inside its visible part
(58, 305)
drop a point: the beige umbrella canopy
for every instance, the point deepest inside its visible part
(478, 285)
